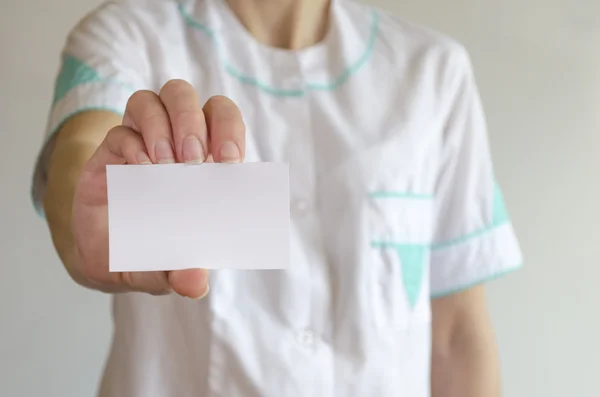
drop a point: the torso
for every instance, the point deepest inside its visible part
(358, 118)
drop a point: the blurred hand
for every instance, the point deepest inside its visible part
(160, 129)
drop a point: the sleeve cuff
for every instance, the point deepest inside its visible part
(474, 259)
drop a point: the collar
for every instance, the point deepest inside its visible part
(325, 66)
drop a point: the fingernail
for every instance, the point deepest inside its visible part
(204, 294)
(229, 153)
(143, 158)
(164, 152)
(192, 150)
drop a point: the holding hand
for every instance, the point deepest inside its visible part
(156, 129)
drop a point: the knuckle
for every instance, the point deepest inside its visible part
(126, 279)
(92, 272)
(161, 292)
(113, 136)
(114, 132)
(116, 136)
(187, 120)
(150, 118)
(121, 140)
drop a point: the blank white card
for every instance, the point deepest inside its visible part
(211, 216)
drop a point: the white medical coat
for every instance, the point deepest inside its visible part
(394, 199)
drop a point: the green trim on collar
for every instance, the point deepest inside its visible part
(307, 86)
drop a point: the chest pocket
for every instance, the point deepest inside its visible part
(389, 198)
(399, 228)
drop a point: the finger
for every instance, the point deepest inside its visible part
(226, 129)
(155, 283)
(121, 145)
(192, 283)
(146, 114)
(187, 121)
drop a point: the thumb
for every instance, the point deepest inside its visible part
(192, 283)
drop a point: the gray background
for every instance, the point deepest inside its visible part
(538, 68)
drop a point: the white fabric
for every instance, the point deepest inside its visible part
(392, 193)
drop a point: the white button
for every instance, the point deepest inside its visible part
(306, 338)
(300, 207)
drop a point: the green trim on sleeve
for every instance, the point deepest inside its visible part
(73, 72)
(499, 218)
(475, 283)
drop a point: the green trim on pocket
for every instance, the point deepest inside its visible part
(445, 244)
(390, 244)
(412, 263)
(477, 282)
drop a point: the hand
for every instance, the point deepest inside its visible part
(160, 129)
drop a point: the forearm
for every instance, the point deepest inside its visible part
(467, 368)
(464, 355)
(73, 146)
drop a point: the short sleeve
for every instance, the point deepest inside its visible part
(474, 239)
(103, 63)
